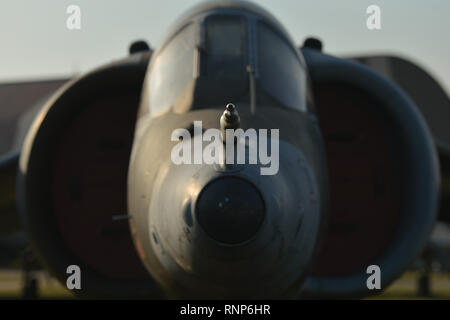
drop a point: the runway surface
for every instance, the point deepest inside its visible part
(49, 288)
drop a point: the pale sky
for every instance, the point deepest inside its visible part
(35, 42)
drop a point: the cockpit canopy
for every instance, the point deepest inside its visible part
(212, 58)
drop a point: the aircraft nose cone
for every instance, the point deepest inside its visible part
(230, 210)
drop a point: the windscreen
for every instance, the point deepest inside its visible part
(172, 70)
(281, 74)
(226, 50)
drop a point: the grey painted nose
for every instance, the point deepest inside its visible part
(230, 210)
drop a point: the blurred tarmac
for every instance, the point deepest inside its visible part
(49, 288)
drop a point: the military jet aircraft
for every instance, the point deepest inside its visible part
(95, 183)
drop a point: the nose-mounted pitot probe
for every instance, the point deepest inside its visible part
(229, 120)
